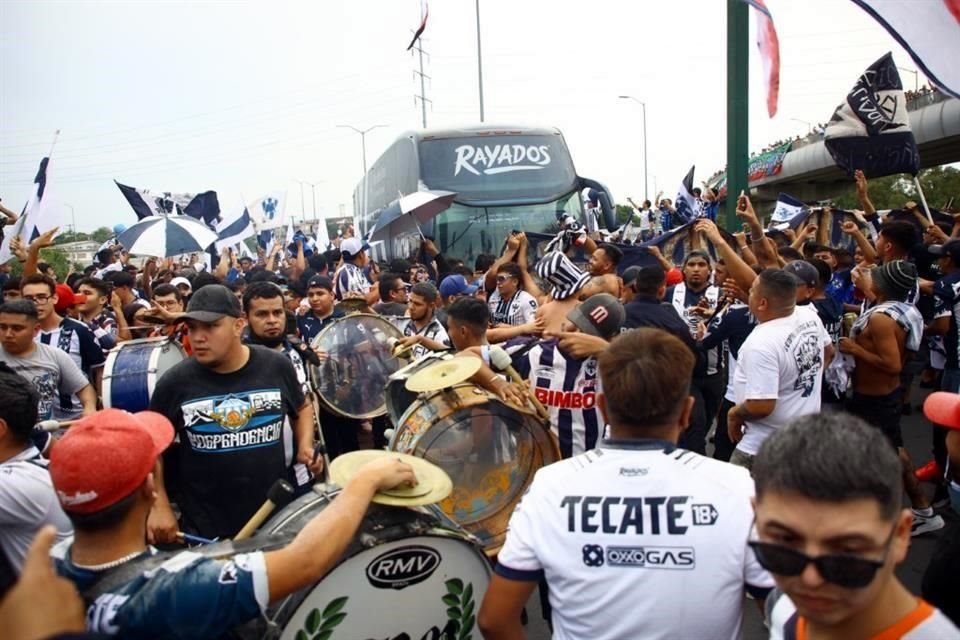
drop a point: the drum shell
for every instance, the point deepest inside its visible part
(489, 476)
(132, 369)
(350, 382)
(401, 565)
(398, 398)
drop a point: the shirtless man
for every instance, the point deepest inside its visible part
(602, 268)
(879, 342)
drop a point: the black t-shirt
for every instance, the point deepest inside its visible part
(230, 432)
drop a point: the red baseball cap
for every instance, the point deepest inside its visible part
(943, 408)
(674, 276)
(105, 456)
(66, 298)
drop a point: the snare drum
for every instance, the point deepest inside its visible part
(359, 362)
(490, 450)
(408, 573)
(133, 368)
(398, 398)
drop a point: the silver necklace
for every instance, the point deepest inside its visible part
(108, 565)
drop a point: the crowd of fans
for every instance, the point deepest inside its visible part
(768, 371)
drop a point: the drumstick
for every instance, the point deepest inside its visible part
(280, 493)
(54, 425)
(501, 360)
(187, 537)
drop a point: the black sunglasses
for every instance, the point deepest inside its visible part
(847, 571)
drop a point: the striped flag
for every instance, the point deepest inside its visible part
(789, 212)
(687, 206)
(202, 206)
(870, 130)
(232, 231)
(35, 218)
(769, 47)
(929, 31)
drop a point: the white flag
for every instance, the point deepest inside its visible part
(35, 219)
(269, 211)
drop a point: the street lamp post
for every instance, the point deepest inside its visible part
(809, 125)
(73, 218)
(916, 77)
(643, 105)
(363, 149)
(479, 61)
(303, 206)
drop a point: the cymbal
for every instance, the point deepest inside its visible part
(443, 374)
(433, 483)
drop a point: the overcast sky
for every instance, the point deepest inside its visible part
(244, 97)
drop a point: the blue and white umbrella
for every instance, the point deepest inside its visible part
(165, 236)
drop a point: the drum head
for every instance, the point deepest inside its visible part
(489, 449)
(359, 363)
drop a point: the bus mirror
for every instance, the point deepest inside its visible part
(606, 202)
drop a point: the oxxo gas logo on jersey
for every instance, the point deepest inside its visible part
(500, 158)
(650, 557)
(402, 567)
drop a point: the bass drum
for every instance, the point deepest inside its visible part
(398, 397)
(489, 449)
(359, 362)
(408, 573)
(132, 369)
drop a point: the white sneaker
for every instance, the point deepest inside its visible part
(925, 524)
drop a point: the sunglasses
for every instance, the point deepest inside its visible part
(502, 279)
(847, 571)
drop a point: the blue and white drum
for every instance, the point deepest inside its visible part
(408, 573)
(133, 368)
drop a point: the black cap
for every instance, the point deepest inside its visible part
(949, 248)
(803, 272)
(211, 302)
(324, 282)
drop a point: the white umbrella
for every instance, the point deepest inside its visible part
(422, 206)
(164, 236)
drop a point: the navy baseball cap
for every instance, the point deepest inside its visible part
(456, 285)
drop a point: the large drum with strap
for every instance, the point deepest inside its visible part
(490, 449)
(359, 361)
(408, 573)
(132, 369)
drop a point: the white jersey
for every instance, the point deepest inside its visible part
(568, 387)
(350, 279)
(781, 360)
(633, 534)
(432, 331)
(27, 503)
(518, 310)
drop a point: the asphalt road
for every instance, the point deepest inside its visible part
(917, 437)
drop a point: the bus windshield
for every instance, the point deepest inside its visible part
(465, 232)
(499, 169)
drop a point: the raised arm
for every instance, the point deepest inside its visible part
(736, 267)
(863, 194)
(866, 248)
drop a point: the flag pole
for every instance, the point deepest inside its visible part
(56, 136)
(923, 199)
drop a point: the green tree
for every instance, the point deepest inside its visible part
(940, 184)
(624, 212)
(70, 236)
(101, 234)
(56, 258)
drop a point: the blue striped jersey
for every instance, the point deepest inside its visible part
(568, 388)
